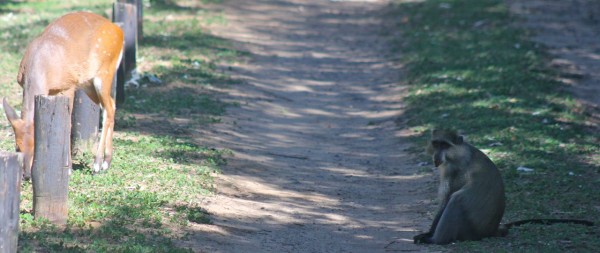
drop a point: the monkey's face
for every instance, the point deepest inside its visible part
(439, 151)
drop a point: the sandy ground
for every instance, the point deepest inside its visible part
(570, 31)
(319, 163)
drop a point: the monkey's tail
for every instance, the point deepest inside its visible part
(503, 229)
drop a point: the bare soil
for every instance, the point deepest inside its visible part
(569, 30)
(319, 163)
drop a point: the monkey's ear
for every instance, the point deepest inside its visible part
(459, 140)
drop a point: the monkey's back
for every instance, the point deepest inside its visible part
(487, 190)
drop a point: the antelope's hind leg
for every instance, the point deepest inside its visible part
(104, 152)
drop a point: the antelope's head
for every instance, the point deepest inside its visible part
(24, 137)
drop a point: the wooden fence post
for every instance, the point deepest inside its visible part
(119, 78)
(140, 16)
(52, 159)
(127, 14)
(85, 121)
(10, 189)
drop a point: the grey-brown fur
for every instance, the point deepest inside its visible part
(471, 191)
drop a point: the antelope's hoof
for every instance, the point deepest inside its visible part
(95, 168)
(105, 165)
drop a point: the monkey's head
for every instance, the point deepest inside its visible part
(441, 141)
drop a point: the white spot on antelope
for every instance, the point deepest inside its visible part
(97, 85)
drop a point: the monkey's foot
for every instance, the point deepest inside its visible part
(424, 238)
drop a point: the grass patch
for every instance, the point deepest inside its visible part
(159, 174)
(470, 69)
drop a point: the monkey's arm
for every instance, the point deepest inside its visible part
(436, 220)
(425, 238)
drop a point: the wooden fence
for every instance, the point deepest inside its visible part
(56, 141)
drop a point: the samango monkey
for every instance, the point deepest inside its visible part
(471, 193)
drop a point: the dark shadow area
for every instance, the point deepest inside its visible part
(3, 6)
(173, 101)
(488, 86)
(170, 5)
(185, 92)
(473, 70)
(568, 31)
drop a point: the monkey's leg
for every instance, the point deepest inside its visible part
(423, 238)
(454, 224)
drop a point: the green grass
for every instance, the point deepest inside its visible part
(159, 173)
(469, 68)
(135, 206)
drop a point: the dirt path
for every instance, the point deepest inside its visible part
(570, 30)
(319, 163)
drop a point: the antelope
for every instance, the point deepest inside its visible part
(79, 50)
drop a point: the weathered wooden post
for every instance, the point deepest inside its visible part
(85, 122)
(126, 14)
(51, 160)
(10, 189)
(140, 16)
(119, 74)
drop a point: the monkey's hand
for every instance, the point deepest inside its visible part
(424, 238)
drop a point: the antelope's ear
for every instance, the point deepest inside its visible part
(11, 115)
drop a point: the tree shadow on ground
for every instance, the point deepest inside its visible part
(313, 104)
